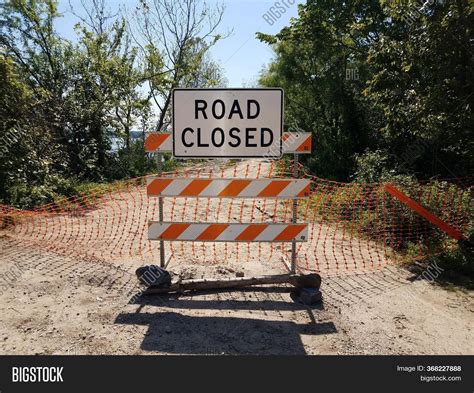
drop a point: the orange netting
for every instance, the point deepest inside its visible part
(352, 226)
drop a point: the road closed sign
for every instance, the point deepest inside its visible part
(227, 123)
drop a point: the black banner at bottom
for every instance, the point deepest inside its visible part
(161, 373)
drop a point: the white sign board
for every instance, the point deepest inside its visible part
(227, 123)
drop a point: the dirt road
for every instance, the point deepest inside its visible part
(60, 306)
(64, 299)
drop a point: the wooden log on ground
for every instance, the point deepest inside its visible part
(312, 280)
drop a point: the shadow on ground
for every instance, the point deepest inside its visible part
(170, 332)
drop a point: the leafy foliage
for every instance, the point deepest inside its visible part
(71, 109)
(385, 86)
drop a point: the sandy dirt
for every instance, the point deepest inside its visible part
(65, 289)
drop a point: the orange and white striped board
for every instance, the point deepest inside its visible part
(229, 188)
(159, 142)
(292, 142)
(212, 232)
(296, 142)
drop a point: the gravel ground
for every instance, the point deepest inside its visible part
(51, 304)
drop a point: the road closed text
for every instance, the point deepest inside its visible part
(230, 123)
(37, 374)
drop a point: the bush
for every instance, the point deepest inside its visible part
(456, 264)
(373, 166)
(377, 215)
(50, 188)
(27, 197)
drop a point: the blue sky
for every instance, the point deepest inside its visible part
(241, 55)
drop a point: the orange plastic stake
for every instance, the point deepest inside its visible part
(454, 233)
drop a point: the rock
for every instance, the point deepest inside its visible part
(222, 270)
(239, 274)
(312, 280)
(153, 275)
(310, 295)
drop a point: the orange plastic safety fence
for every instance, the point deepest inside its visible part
(352, 226)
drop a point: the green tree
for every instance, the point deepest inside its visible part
(175, 39)
(106, 90)
(320, 62)
(421, 85)
(34, 80)
(65, 103)
(70, 106)
(386, 86)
